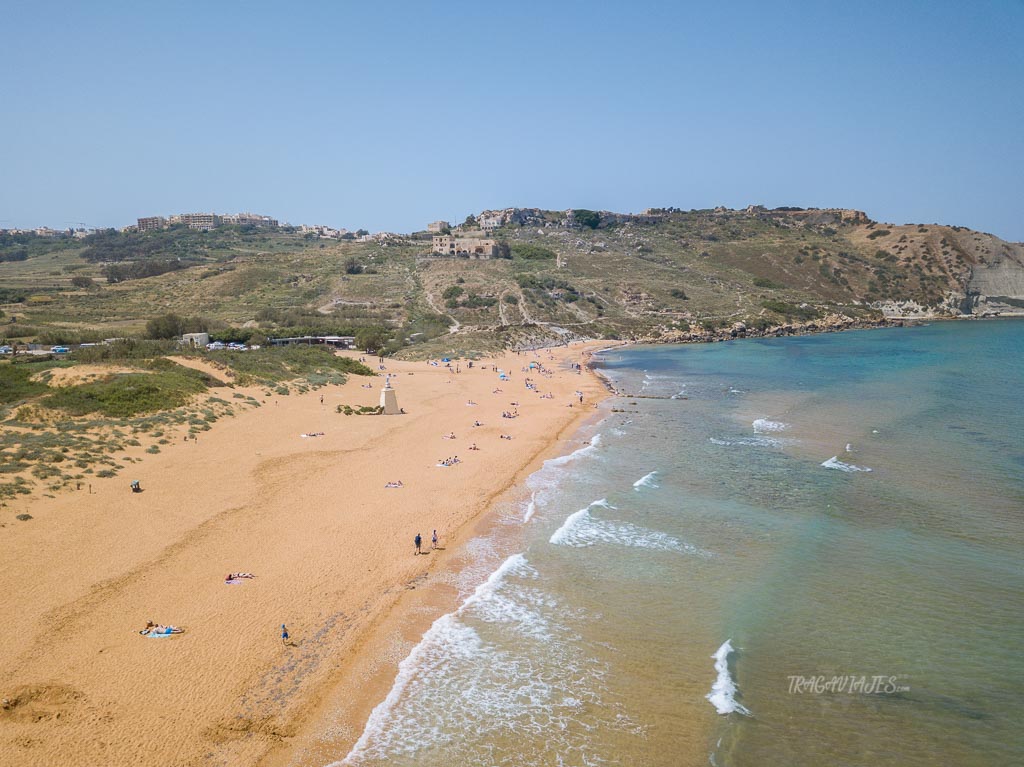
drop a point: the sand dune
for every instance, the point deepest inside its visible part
(311, 517)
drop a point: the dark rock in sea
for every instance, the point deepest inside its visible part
(24, 517)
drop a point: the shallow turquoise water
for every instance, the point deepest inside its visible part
(845, 509)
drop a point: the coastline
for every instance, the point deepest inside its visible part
(338, 719)
(81, 687)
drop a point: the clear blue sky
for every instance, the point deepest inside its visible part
(392, 114)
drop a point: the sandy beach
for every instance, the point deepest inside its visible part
(331, 547)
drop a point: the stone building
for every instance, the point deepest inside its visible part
(464, 247)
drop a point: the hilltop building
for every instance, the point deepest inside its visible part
(464, 247)
(204, 221)
(249, 219)
(152, 223)
(438, 226)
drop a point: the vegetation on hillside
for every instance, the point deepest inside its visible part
(590, 274)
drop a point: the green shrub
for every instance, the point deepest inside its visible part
(529, 252)
(764, 282)
(791, 311)
(128, 394)
(587, 218)
(15, 385)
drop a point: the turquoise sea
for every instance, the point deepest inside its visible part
(799, 551)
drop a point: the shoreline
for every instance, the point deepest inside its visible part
(342, 715)
(309, 517)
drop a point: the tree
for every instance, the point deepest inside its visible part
(504, 249)
(81, 281)
(371, 339)
(587, 218)
(352, 266)
(165, 326)
(171, 325)
(470, 222)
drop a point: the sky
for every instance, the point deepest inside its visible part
(389, 115)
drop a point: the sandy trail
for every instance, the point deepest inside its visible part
(311, 517)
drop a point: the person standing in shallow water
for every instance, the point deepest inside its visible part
(419, 542)
(433, 540)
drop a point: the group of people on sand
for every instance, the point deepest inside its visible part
(509, 413)
(396, 483)
(449, 461)
(418, 542)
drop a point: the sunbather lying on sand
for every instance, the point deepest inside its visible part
(395, 484)
(155, 629)
(236, 576)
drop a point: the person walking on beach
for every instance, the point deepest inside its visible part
(419, 542)
(284, 634)
(433, 540)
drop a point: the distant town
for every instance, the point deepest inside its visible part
(472, 239)
(201, 222)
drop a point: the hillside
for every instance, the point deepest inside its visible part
(664, 274)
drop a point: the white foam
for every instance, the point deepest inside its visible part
(835, 463)
(723, 691)
(764, 426)
(680, 394)
(582, 529)
(466, 686)
(748, 442)
(567, 531)
(561, 460)
(459, 642)
(531, 507)
(849, 447)
(646, 481)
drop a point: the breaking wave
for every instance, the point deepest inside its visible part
(582, 529)
(835, 463)
(587, 449)
(646, 481)
(723, 691)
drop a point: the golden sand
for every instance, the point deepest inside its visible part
(331, 546)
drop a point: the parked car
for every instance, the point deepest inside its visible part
(6, 350)
(60, 349)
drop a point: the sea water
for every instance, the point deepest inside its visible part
(800, 551)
